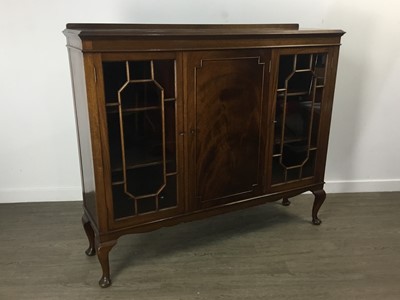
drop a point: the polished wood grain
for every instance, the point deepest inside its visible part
(227, 134)
(224, 79)
(91, 250)
(320, 197)
(195, 30)
(83, 132)
(265, 252)
(156, 37)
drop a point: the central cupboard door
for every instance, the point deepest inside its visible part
(226, 125)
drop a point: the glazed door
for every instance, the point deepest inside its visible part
(226, 99)
(141, 106)
(302, 100)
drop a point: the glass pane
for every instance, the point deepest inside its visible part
(146, 205)
(164, 74)
(296, 120)
(139, 70)
(117, 176)
(285, 69)
(318, 97)
(278, 171)
(124, 206)
(114, 78)
(170, 136)
(277, 147)
(278, 124)
(141, 105)
(300, 82)
(145, 180)
(167, 197)
(319, 69)
(114, 140)
(294, 154)
(143, 137)
(293, 174)
(316, 117)
(309, 166)
(303, 62)
(140, 95)
(299, 98)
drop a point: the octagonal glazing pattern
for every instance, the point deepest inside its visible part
(298, 103)
(142, 147)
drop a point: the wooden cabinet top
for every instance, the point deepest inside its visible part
(124, 37)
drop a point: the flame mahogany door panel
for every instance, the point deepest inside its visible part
(226, 125)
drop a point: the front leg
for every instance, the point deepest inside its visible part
(103, 250)
(285, 201)
(90, 251)
(320, 196)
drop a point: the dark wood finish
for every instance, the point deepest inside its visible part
(285, 202)
(146, 37)
(181, 122)
(91, 250)
(320, 196)
(226, 125)
(103, 249)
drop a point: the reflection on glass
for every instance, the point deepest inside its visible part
(141, 108)
(297, 115)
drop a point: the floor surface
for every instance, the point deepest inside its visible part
(265, 252)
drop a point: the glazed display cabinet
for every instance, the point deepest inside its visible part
(182, 122)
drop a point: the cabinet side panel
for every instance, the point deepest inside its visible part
(327, 110)
(83, 132)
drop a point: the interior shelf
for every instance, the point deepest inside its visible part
(293, 93)
(112, 107)
(115, 103)
(138, 156)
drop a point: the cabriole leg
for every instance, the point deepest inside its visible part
(285, 202)
(320, 196)
(90, 251)
(102, 254)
